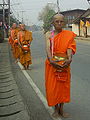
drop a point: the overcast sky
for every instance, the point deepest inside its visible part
(33, 7)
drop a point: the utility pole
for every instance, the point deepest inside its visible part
(22, 16)
(4, 5)
(9, 13)
(18, 17)
(58, 7)
(3, 19)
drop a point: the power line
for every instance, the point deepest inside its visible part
(58, 6)
(21, 10)
(9, 13)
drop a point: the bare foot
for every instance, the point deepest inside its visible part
(24, 68)
(16, 61)
(55, 114)
(28, 68)
(65, 115)
(62, 113)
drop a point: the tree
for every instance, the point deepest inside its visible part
(13, 20)
(46, 16)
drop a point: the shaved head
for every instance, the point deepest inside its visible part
(22, 26)
(14, 25)
(58, 22)
(58, 16)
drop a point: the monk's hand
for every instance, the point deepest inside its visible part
(54, 64)
(67, 62)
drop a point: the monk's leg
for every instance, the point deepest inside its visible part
(17, 60)
(28, 63)
(56, 111)
(62, 113)
(24, 67)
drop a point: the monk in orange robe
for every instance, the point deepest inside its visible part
(57, 76)
(16, 48)
(25, 39)
(13, 34)
(13, 40)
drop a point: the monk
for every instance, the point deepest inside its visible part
(19, 27)
(57, 76)
(25, 39)
(16, 48)
(13, 41)
(13, 33)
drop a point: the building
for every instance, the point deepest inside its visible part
(81, 25)
(1, 15)
(3, 26)
(71, 15)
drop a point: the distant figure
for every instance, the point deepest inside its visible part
(13, 40)
(25, 39)
(13, 33)
(85, 31)
(60, 47)
(19, 27)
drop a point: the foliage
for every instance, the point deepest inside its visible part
(46, 16)
(13, 20)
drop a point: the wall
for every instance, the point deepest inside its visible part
(75, 29)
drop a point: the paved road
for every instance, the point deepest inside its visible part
(79, 108)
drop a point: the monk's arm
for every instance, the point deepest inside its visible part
(18, 38)
(70, 51)
(48, 51)
(71, 48)
(69, 60)
(47, 36)
(30, 38)
(9, 33)
(69, 54)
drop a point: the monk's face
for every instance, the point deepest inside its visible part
(58, 21)
(14, 25)
(19, 26)
(22, 27)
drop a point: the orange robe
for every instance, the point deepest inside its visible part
(14, 45)
(16, 51)
(25, 37)
(13, 35)
(57, 90)
(16, 48)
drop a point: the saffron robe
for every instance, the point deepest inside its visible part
(58, 90)
(25, 37)
(12, 35)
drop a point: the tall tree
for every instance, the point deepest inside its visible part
(46, 16)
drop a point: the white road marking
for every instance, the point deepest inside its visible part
(38, 92)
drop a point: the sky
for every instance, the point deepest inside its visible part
(32, 8)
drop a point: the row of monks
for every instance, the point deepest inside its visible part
(60, 48)
(20, 40)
